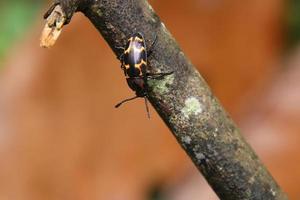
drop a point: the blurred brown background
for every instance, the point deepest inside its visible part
(61, 137)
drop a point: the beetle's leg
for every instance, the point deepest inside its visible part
(120, 57)
(150, 50)
(118, 47)
(158, 75)
(122, 66)
(125, 100)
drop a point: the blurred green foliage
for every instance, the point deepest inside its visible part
(16, 16)
(293, 23)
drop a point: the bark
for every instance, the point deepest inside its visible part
(183, 100)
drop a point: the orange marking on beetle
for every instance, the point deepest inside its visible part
(139, 39)
(127, 66)
(138, 65)
(127, 50)
(129, 47)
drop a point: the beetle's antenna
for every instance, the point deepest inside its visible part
(147, 107)
(119, 104)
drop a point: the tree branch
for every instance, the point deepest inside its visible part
(184, 101)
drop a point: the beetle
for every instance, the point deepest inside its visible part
(134, 63)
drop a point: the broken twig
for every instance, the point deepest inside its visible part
(55, 20)
(184, 101)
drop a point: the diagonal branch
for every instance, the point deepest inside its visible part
(184, 101)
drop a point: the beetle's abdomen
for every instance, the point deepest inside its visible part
(135, 58)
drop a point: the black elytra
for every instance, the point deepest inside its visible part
(134, 64)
